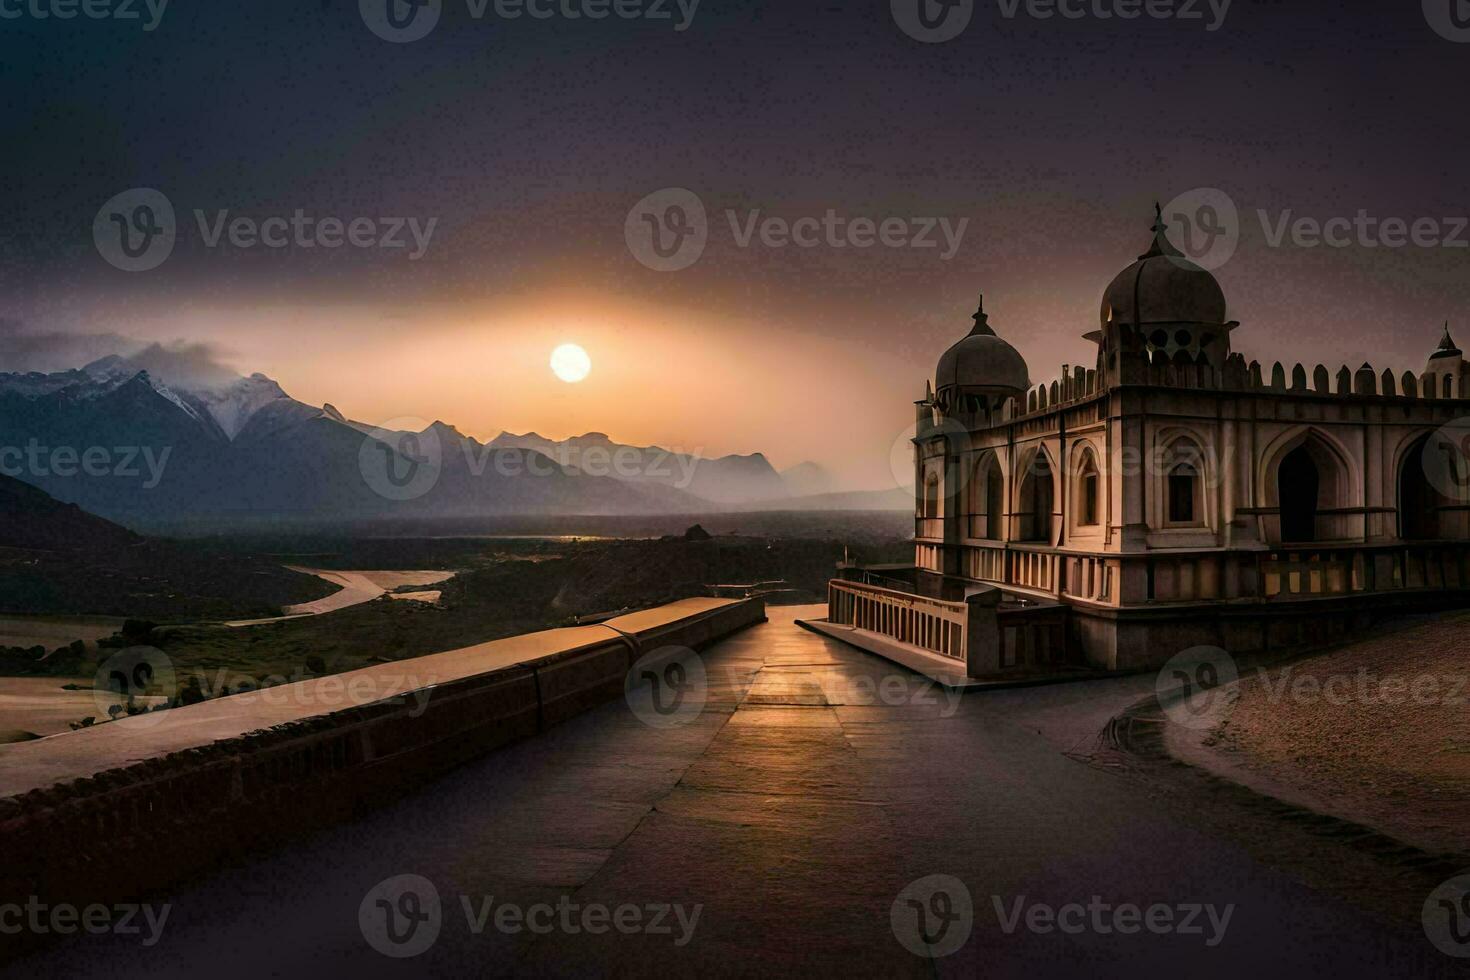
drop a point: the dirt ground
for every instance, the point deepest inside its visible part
(1377, 732)
(55, 631)
(35, 706)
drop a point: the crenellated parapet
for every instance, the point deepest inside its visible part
(1345, 382)
(1077, 384)
(1074, 385)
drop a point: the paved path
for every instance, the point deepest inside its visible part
(356, 588)
(817, 783)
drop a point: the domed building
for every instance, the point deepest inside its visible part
(979, 373)
(1172, 496)
(1165, 304)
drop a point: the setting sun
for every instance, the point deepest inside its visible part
(570, 363)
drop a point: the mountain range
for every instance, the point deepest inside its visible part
(139, 441)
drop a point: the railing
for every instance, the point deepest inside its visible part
(933, 624)
(1007, 565)
(1090, 578)
(1033, 570)
(985, 563)
(1327, 571)
(927, 557)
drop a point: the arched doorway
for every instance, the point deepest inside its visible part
(1418, 501)
(986, 515)
(994, 508)
(1297, 485)
(1036, 500)
(930, 502)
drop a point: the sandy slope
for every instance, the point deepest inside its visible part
(1377, 732)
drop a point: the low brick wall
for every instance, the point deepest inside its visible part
(126, 833)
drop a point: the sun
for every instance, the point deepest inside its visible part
(570, 363)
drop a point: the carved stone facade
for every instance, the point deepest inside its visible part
(1174, 494)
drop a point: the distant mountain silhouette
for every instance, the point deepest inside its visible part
(805, 479)
(723, 480)
(56, 558)
(32, 519)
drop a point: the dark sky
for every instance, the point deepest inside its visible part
(530, 140)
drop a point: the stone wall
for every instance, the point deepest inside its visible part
(126, 833)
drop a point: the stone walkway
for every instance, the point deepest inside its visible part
(816, 785)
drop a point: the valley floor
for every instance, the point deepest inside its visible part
(54, 631)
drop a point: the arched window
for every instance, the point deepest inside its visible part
(1183, 493)
(1183, 486)
(1088, 491)
(930, 506)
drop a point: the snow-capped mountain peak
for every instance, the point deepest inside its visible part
(234, 405)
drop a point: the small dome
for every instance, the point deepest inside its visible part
(1163, 287)
(982, 361)
(1447, 346)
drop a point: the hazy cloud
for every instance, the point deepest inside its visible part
(184, 363)
(22, 350)
(189, 365)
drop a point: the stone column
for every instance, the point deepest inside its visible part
(1376, 527)
(982, 632)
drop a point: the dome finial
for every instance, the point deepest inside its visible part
(1446, 346)
(1161, 244)
(982, 322)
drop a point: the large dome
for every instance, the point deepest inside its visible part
(1163, 287)
(982, 361)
